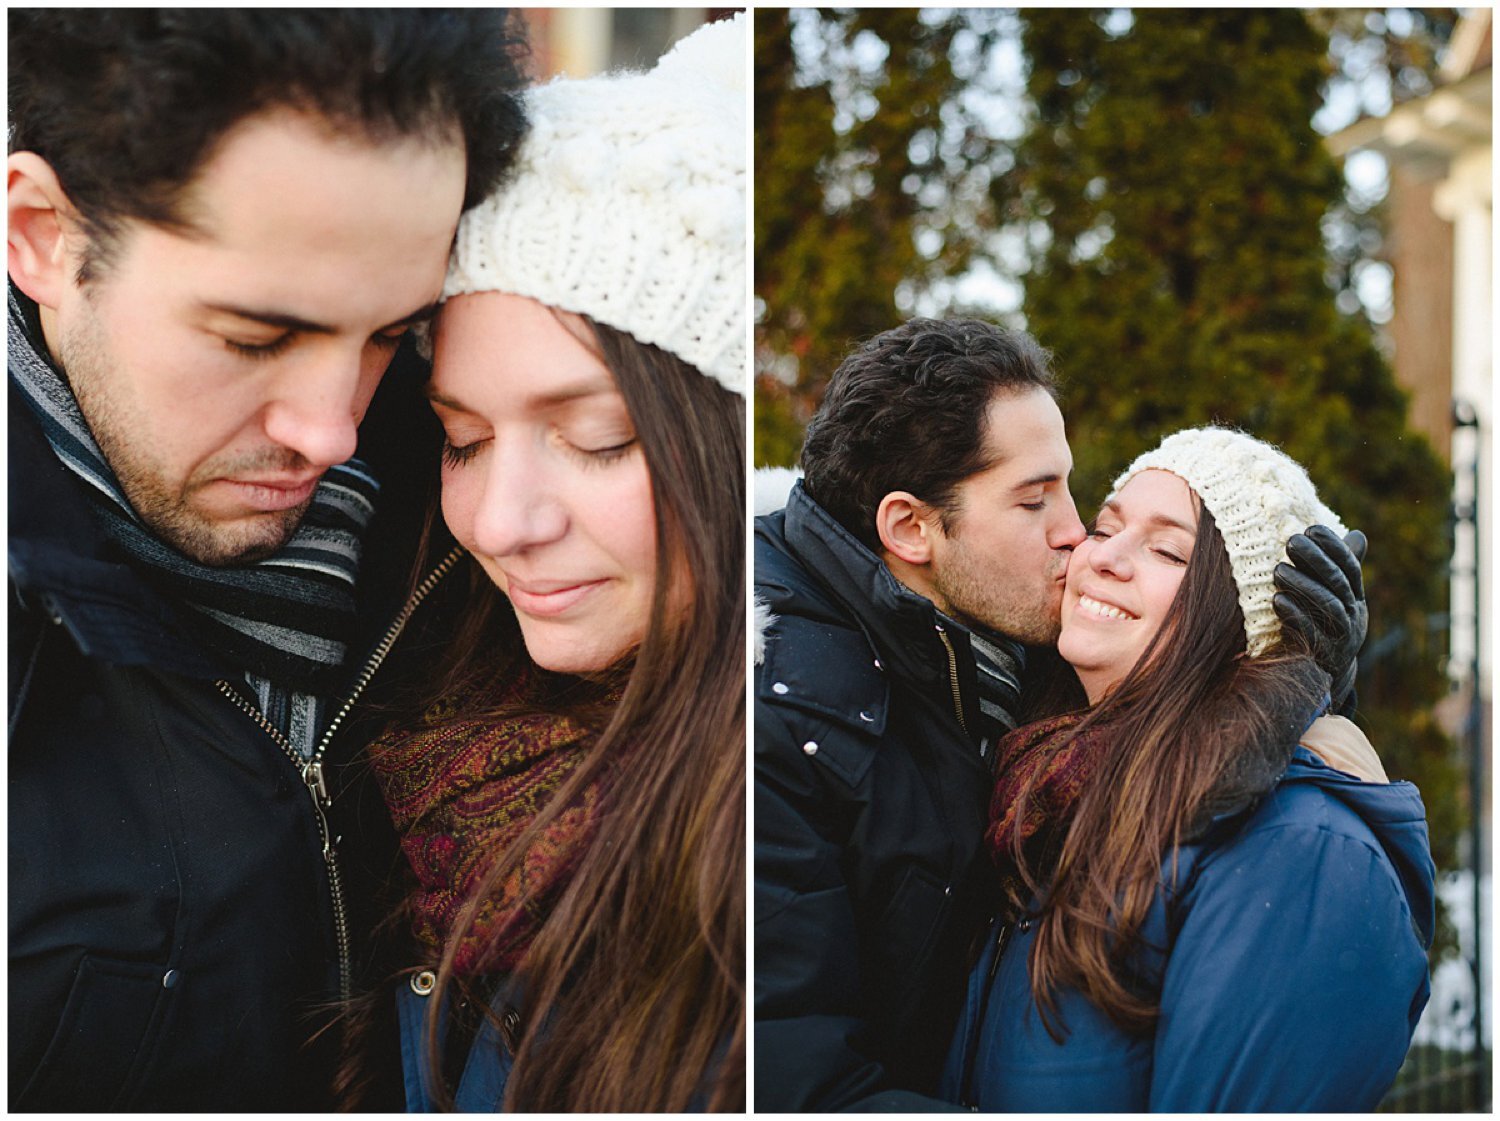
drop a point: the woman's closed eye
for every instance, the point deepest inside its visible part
(600, 455)
(456, 455)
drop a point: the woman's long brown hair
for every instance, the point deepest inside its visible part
(1190, 729)
(634, 984)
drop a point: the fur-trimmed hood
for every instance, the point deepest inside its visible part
(772, 485)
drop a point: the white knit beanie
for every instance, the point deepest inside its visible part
(1259, 497)
(627, 204)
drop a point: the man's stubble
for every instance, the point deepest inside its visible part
(164, 504)
(973, 591)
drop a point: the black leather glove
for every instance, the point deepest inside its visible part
(1321, 596)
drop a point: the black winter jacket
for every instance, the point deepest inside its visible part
(870, 798)
(172, 921)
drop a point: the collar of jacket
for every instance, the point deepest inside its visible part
(63, 567)
(902, 626)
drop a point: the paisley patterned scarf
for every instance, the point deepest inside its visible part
(1056, 765)
(461, 789)
(1058, 762)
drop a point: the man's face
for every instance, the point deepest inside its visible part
(224, 369)
(1003, 561)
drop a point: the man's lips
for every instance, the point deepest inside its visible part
(545, 599)
(273, 493)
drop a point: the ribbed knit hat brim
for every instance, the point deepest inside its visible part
(627, 204)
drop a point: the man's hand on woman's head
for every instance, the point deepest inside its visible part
(1321, 596)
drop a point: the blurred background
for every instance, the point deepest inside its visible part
(581, 42)
(1274, 219)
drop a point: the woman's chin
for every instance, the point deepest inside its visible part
(569, 654)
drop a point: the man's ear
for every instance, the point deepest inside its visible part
(40, 222)
(905, 524)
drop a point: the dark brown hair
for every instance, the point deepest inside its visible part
(1194, 729)
(635, 980)
(127, 104)
(908, 410)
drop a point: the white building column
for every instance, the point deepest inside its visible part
(1465, 199)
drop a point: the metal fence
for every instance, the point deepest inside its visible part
(1436, 1080)
(1448, 1067)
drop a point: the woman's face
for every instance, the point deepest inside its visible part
(1123, 577)
(544, 480)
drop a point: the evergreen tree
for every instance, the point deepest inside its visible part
(1176, 190)
(1181, 212)
(854, 157)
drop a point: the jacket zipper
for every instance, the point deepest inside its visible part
(958, 701)
(312, 769)
(1000, 940)
(972, 1048)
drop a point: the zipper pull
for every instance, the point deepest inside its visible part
(312, 775)
(1000, 941)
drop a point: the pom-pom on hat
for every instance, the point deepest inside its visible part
(1259, 498)
(627, 204)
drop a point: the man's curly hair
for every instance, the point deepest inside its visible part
(908, 410)
(126, 105)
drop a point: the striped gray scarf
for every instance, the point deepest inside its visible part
(998, 667)
(286, 620)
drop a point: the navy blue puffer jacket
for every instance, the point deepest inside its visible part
(1291, 967)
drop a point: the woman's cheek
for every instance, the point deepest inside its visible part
(457, 504)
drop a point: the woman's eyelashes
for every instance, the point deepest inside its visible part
(1169, 553)
(456, 455)
(600, 456)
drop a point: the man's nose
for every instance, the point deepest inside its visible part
(317, 407)
(1068, 532)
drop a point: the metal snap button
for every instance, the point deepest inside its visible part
(867, 718)
(809, 748)
(170, 978)
(424, 982)
(780, 689)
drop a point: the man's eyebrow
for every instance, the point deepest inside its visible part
(1038, 481)
(422, 315)
(272, 318)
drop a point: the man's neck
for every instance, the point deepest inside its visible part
(46, 322)
(914, 578)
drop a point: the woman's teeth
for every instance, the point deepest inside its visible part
(1103, 610)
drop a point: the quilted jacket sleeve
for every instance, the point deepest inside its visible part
(1285, 992)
